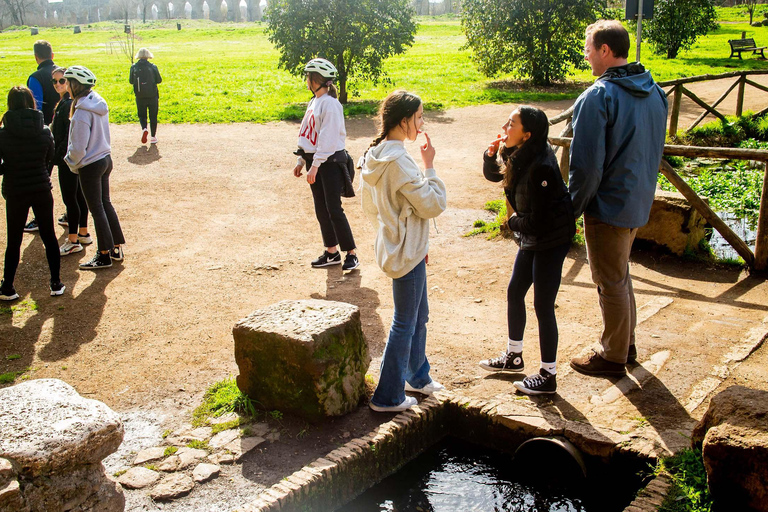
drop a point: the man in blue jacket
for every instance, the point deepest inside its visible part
(619, 127)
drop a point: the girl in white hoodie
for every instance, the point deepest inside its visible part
(399, 200)
(89, 156)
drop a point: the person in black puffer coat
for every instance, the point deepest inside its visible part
(543, 218)
(26, 153)
(71, 193)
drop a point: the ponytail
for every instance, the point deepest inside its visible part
(78, 91)
(397, 106)
(332, 89)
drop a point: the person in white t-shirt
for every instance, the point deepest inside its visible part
(321, 151)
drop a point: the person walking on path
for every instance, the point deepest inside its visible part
(322, 137)
(44, 93)
(543, 218)
(144, 77)
(619, 127)
(71, 193)
(89, 156)
(399, 200)
(26, 152)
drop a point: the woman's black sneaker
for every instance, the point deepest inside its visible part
(327, 259)
(57, 288)
(98, 261)
(116, 253)
(7, 292)
(507, 362)
(542, 383)
(350, 262)
(31, 226)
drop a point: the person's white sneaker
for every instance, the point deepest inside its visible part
(430, 388)
(70, 248)
(153, 140)
(404, 406)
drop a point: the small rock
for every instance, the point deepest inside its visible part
(189, 455)
(478, 301)
(6, 469)
(345, 435)
(149, 454)
(172, 486)
(259, 429)
(138, 478)
(223, 438)
(273, 436)
(170, 464)
(202, 432)
(239, 447)
(222, 458)
(230, 416)
(204, 472)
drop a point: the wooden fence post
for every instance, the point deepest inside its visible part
(740, 97)
(678, 95)
(761, 242)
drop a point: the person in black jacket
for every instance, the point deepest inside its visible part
(144, 77)
(76, 219)
(26, 152)
(543, 219)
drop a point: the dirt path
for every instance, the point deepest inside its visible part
(211, 204)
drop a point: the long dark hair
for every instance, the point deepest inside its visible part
(19, 98)
(535, 122)
(318, 79)
(397, 106)
(78, 91)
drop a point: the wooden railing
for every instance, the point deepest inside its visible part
(677, 89)
(757, 260)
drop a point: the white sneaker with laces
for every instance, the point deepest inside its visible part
(85, 239)
(70, 248)
(404, 406)
(153, 140)
(430, 388)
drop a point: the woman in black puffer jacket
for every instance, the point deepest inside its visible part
(544, 221)
(71, 193)
(26, 153)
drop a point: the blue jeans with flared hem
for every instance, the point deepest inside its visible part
(404, 356)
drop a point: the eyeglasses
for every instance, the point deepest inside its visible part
(61, 81)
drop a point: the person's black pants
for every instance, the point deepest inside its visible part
(326, 191)
(72, 195)
(94, 180)
(16, 210)
(144, 105)
(543, 270)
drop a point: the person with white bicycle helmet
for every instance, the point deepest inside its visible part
(322, 137)
(89, 156)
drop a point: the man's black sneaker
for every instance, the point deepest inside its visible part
(542, 383)
(98, 261)
(7, 292)
(507, 362)
(327, 259)
(117, 253)
(350, 262)
(63, 221)
(31, 226)
(632, 355)
(57, 288)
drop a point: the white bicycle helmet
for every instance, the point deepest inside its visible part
(81, 74)
(322, 67)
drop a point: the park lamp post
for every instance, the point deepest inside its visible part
(638, 10)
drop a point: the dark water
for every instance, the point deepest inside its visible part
(455, 476)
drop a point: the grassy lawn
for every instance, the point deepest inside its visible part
(228, 72)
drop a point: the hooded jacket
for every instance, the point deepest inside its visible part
(88, 132)
(619, 128)
(398, 200)
(26, 151)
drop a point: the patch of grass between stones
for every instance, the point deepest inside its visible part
(222, 398)
(170, 451)
(198, 445)
(221, 427)
(689, 492)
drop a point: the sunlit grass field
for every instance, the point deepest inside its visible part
(214, 73)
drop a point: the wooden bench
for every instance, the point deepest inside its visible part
(745, 45)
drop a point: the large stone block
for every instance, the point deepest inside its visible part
(733, 435)
(673, 223)
(55, 441)
(307, 357)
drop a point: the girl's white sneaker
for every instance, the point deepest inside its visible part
(405, 405)
(430, 388)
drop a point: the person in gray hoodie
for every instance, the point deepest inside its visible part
(619, 127)
(399, 200)
(89, 156)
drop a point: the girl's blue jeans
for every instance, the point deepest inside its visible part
(404, 356)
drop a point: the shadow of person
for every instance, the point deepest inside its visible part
(145, 155)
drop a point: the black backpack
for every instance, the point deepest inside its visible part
(144, 84)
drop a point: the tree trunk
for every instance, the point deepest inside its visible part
(343, 91)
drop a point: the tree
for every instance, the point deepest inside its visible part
(17, 10)
(750, 5)
(355, 35)
(537, 39)
(123, 8)
(676, 25)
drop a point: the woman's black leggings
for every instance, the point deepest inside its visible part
(16, 210)
(326, 191)
(144, 105)
(94, 178)
(72, 195)
(543, 270)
